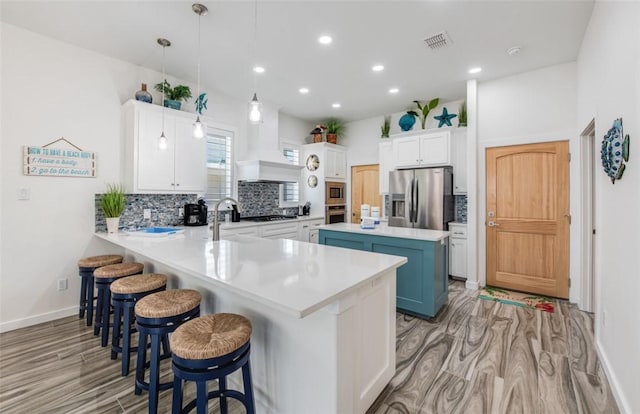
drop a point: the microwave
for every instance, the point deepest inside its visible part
(334, 192)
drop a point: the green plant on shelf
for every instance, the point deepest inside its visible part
(423, 111)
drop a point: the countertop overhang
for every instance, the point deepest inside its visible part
(387, 231)
(295, 277)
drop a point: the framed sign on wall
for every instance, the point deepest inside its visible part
(59, 162)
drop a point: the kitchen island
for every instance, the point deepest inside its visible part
(323, 318)
(422, 283)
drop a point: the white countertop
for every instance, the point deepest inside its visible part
(242, 224)
(295, 277)
(385, 230)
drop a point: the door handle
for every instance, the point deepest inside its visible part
(493, 224)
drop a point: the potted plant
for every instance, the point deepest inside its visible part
(112, 204)
(173, 96)
(334, 129)
(423, 111)
(384, 129)
(462, 114)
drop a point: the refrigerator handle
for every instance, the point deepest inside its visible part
(415, 208)
(412, 210)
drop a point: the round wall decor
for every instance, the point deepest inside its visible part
(313, 162)
(615, 151)
(312, 181)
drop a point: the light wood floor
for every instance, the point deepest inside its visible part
(473, 357)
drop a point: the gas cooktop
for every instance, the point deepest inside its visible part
(272, 217)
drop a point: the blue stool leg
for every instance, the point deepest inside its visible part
(154, 374)
(176, 403)
(126, 340)
(90, 288)
(165, 345)
(106, 305)
(83, 296)
(202, 398)
(99, 306)
(115, 337)
(141, 361)
(222, 386)
(248, 389)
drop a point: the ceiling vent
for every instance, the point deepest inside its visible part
(438, 40)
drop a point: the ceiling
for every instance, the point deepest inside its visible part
(365, 33)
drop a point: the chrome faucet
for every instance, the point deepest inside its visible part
(216, 223)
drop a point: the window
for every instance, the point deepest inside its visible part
(219, 164)
(289, 192)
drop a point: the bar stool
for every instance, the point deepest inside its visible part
(125, 292)
(104, 276)
(207, 348)
(157, 315)
(86, 267)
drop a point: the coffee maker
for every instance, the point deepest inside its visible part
(195, 214)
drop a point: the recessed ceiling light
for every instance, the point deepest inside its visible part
(512, 51)
(325, 40)
(377, 68)
(394, 90)
(258, 69)
(475, 70)
(336, 105)
(303, 90)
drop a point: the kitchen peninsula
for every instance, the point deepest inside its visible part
(323, 318)
(422, 283)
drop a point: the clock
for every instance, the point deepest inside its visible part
(312, 162)
(312, 181)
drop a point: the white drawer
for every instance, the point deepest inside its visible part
(458, 231)
(277, 230)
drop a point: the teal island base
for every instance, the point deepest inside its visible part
(421, 283)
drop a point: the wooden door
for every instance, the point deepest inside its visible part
(528, 218)
(364, 189)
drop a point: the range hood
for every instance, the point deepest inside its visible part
(268, 171)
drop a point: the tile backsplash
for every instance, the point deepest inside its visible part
(260, 199)
(461, 208)
(164, 210)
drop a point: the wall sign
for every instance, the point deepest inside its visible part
(58, 162)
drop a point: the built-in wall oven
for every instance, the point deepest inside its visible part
(334, 193)
(335, 214)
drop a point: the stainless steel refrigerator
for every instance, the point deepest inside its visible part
(421, 198)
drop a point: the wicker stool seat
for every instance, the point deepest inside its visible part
(103, 277)
(157, 315)
(125, 292)
(86, 267)
(207, 348)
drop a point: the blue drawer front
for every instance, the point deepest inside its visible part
(421, 283)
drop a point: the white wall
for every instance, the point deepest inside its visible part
(608, 73)
(294, 130)
(51, 89)
(531, 107)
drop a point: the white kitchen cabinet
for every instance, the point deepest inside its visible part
(309, 228)
(336, 166)
(459, 161)
(181, 167)
(385, 160)
(422, 150)
(458, 250)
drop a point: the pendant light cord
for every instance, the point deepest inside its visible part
(164, 48)
(198, 95)
(255, 44)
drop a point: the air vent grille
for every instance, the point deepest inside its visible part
(438, 40)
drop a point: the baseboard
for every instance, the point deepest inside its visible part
(36, 319)
(614, 384)
(472, 284)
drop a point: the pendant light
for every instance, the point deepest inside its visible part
(255, 106)
(198, 128)
(163, 142)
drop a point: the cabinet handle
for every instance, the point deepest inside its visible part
(457, 232)
(304, 227)
(178, 184)
(172, 184)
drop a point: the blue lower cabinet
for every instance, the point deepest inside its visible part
(421, 283)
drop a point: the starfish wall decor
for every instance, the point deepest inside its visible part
(444, 118)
